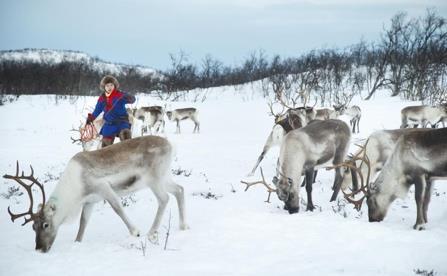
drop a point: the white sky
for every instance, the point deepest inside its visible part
(146, 32)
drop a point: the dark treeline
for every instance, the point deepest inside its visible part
(78, 77)
(410, 60)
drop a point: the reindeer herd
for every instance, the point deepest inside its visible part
(383, 169)
(386, 165)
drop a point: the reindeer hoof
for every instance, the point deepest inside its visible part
(135, 232)
(310, 208)
(153, 236)
(184, 226)
(419, 227)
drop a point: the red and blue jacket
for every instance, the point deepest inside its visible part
(115, 113)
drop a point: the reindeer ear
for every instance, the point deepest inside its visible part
(50, 209)
(275, 180)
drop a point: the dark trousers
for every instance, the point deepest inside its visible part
(124, 134)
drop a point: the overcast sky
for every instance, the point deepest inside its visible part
(146, 31)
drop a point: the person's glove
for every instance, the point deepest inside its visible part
(90, 119)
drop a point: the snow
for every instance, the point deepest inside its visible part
(47, 56)
(233, 232)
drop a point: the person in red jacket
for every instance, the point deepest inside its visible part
(112, 102)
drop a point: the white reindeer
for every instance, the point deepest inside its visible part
(152, 118)
(108, 173)
(379, 146)
(180, 114)
(419, 158)
(413, 116)
(306, 149)
(353, 112)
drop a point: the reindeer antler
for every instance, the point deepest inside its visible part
(277, 116)
(351, 163)
(20, 179)
(270, 190)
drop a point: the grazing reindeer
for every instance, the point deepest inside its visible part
(306, 149)
(152, 118)
(379, 146)
(293, 118)
(325, 114)
(413, 116)
(419, 158)
(353, 112)
(108, 173)
(183, 114)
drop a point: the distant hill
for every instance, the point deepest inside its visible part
(35, 71)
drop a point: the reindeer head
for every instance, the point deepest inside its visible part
(297, 117)
(43, 219)
(288, 193)
(340, 109)
(169, 114)
(44, 228)
(378, 201)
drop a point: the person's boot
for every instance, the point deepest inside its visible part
(125, 134)
(106, 142)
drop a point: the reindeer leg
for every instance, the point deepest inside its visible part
(178, 191)
(267, 146)
(309, 174)
(420, 185)
(163, 125)
(196, 126)
(358, 125)
(111, 197)
(178, 126)
(85, 216)
(427, 197)
(163, 199)
(337, 184)
(314, 177)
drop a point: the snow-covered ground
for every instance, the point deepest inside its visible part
(232, 232)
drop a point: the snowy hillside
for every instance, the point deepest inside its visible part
(232, 232)
(45, 56)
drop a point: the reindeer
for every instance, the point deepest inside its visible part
(152, 118)
(108, 173)
(292, 118)
(419, 158)
(325, 114)
(378, 147)
(353, 112)
(306, 149)
(413, 116)
(180, 114)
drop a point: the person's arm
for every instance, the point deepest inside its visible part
(98, 109)
(129, 98)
